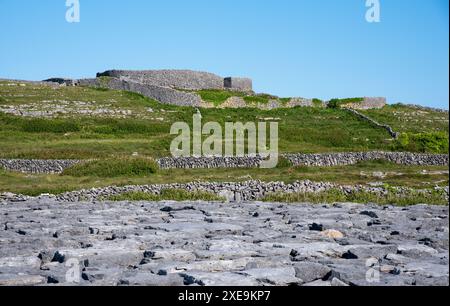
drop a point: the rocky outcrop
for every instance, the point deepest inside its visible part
(426, 108)
(46, 242)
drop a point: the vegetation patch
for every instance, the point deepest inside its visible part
(38, 125)
(338, 103)
(252, 100)
(114, 168)
(336, 195)
(434, 142)
(167, 195)
(217, 96)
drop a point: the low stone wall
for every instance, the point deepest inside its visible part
(162, 94)
(388, 128)
(229, 191)
(296, 159)
(208, 162)
(341, 159)
(36, 166)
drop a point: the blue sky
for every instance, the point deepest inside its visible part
(309, 48)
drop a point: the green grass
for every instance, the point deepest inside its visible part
(317, 102)
(167, 195)
(301, 129)
(217, 97)
(49, 126)
(336, 195)
(113, 168)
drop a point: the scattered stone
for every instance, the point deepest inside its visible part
(316, 227)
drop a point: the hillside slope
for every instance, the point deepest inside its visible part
(40, 121)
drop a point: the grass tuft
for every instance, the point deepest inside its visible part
(49, 126)
(114, 168)
(167, 195)
(336, 195)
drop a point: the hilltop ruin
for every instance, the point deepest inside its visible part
(182, 87)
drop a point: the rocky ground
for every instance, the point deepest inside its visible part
(45, 242)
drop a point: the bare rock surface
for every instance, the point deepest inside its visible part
(47, 242)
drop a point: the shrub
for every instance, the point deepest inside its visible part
(217, 97)
(283, 162)
(256, 99)
(114, 168)
(49, 126)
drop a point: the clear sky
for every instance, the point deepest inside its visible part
(309, 48)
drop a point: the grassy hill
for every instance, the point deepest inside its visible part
(134, 123)
(85, 123)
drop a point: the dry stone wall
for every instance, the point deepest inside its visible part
(162, 94)
(182, 79)
(296, 159)
(36, 166)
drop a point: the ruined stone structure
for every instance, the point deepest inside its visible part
(368, 103)
(179, 87)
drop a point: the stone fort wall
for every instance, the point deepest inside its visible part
(181, 79)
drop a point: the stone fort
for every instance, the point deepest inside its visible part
(179, 87)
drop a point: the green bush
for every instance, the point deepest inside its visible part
(338, 103)
(256, 99)
(216, 96)
(283, 162)
(317, 102)
(49, 126)
(114, 168)
(434, 142)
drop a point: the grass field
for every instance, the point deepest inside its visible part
(308, 130)
(363, 173)
(144, 131)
